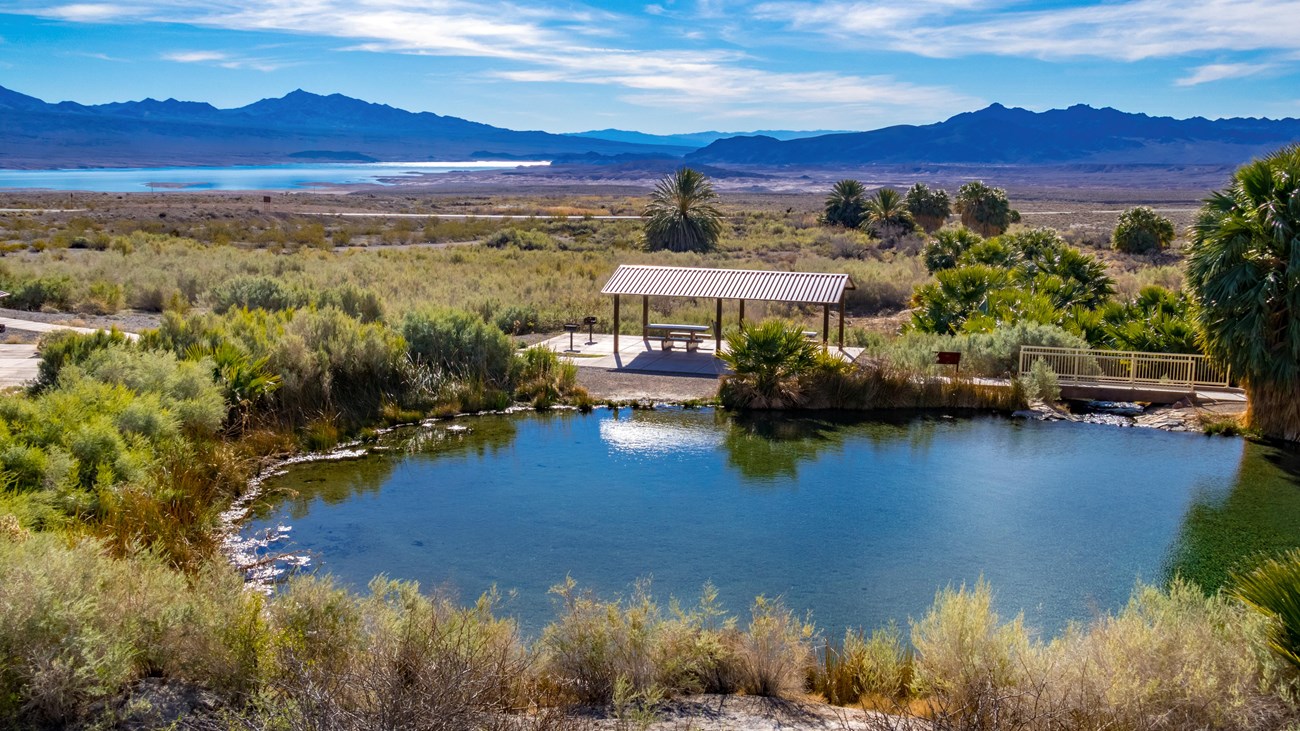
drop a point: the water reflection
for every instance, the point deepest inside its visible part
(1229, 527)
(857, 518)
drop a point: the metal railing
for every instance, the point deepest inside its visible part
(1082, 366)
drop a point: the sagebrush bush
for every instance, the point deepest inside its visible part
(875, 667)
(966, 657)
(540, 377)
(774, 652)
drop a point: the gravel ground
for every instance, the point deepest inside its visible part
(748, 713)
(629, 386)
(128, 320)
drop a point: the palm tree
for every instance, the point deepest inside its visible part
(985, 210)
(845, 204)
(887, 216)
(681, 215)
(1243, 273)
(768, 360)
(929, 208)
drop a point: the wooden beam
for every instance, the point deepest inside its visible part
(742, 313)
(826, 325)
(645, 317)
(841, 323)
(717, 330)
(616, 326)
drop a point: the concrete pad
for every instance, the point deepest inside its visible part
(647, 355)
(18, 365)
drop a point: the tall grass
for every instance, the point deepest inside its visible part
(82, 628)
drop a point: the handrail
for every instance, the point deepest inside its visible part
(1084, 365)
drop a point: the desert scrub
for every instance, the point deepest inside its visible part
(79, 627)
(541, 378)
(1041, 383)
(872, 670)
(968, 660)
(595, 647)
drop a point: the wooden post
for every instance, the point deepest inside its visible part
(826, 325)
(615, 325)
(645, 317)
(841, 323)
(717, 330)
(742, 313)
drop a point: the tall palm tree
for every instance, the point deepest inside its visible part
(985, 210)
(681, 215)
(930, 208)
(887, 216)
(845, 204)
(1244, 277)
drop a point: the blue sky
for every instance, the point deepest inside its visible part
(672, 65)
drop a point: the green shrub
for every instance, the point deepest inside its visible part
(67, 347)
(527, 240)
(1140, 230)
(256, 293)
(38, 293)
(539, 376)
(517, 320)
(1041, 382)
(459, 344)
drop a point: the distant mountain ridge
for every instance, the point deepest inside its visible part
(1013, 136)
(697, 139)
(305, 126)
(290, 128)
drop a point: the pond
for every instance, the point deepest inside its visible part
(235, 177)
(857, 520)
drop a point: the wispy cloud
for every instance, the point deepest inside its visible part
(1220, 71)
(98, 56)
(550, 44)
(222, 59)
(90, 12)
(1129, 30)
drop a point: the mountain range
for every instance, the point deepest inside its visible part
(297, 126)
(305, 126)
(697, 139)
(1013, 136)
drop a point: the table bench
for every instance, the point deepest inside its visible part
(671, 333)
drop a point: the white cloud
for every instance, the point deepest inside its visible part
(1220, 71)
(556, 44)
(89, 12)
(1129, 30)
(195, 56)
(222, 59)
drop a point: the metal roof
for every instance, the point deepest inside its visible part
(733, 284)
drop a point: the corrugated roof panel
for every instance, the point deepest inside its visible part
(659, 281)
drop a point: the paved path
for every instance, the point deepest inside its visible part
(384, 214)
(32, 326)
(18, 364)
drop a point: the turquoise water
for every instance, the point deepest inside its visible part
(858, 521)
(239, 177)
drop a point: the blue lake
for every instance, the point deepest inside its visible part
(243, 177)
(857, 520)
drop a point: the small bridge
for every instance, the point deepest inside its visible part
(1119, 375)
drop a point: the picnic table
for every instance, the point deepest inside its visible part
(669, 334)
